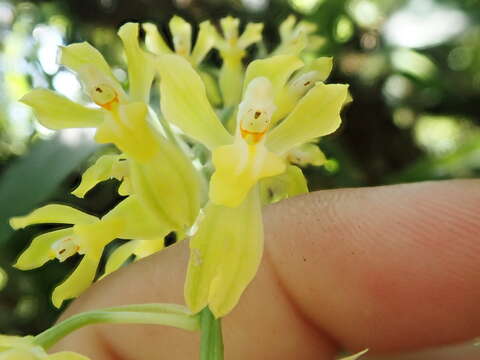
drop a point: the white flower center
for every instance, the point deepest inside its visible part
(65, 247)
(256, 109)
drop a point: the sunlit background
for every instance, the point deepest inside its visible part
(413, 66)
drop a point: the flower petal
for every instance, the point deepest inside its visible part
(306, 154)
(184, 102)
(58, 112)
(130, 131)
(81, 278)
(67, 355)
(148, 247)
(154, 41)
(52, 214)
(286, 185)
(322, 65)
(137, 221)
(300, 84)
(277, 69)
(251, 35)
(118, 257)
(224, 255)
(77, 56)
(40, 250)
(238, 167)
(103, 169)
(182, 35)
(229, 27)
(141, 66)
(205, 41)
(316, 114)
(168, 186)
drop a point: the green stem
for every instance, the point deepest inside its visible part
(132, 314)
(211, 343)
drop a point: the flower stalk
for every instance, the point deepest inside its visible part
(211, 343)
(157, 314)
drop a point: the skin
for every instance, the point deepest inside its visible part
(394, 268)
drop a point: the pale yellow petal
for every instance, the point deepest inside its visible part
(40, 250)
(154, 41)
(56, 112)
(229, 27)
(306, 154)
(137, 221)
(224, 256)
(251, 35)
(286, 27)
(18, 354)
(92, 238)
(289, 184)
(300, 84)
(67, 355)
(207, 35)
(77, 56)
(238, 167)
(316, 114)
(52, 214)
(277, 69)
(141, 66)
(168, 186)
(148, 247)
(130, 131)
(81, 278)
(182, 35)
(322, 66)
(184, 102)
(102, 170)
(119, 256)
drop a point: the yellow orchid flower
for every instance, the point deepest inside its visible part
(23, 348)
(226, 250)
(88, 236)
(232, 50)
(111, 166)
(296, 37)
(182, 39)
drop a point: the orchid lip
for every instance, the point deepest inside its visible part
(255, 136)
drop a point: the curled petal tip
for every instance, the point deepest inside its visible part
(17, 223)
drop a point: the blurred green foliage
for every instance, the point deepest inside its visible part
(413, 66)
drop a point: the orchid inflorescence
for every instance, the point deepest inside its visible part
(258, 125)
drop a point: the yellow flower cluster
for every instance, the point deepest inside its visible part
(279, 106)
